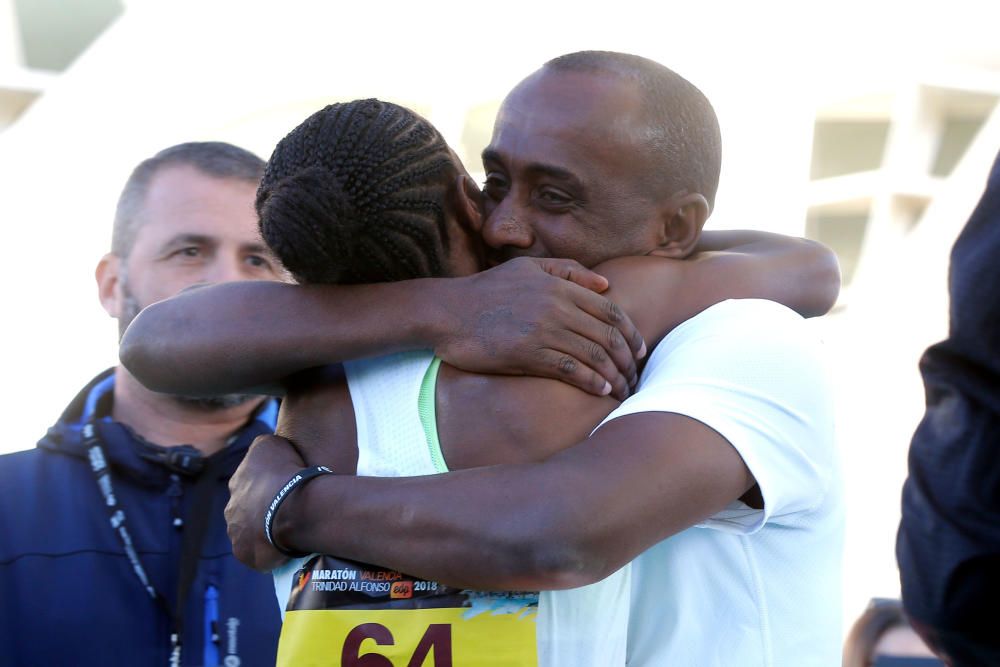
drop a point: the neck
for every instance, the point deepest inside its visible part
(164, 420)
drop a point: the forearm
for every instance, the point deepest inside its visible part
(714, 240)
(530, 316)
(200, 341)
(661, 293)
(799, 273)
(491, 539)
(561, 523)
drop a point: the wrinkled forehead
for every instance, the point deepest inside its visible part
(597, 103)
(185, 200)
(587, 123)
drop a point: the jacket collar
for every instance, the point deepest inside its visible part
(128, 453)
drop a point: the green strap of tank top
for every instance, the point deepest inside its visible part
(428, 414)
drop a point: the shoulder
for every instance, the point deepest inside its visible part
(752, 371)
(41, 473)
(41, 488)
(751, 359)
(737, 317)
(742, 342)
(29, 469)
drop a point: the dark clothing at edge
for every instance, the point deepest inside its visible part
(949, 539)
(68, 593)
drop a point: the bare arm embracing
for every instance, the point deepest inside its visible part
(560, 523)
(801, 274)
(513, 319)
(644, 285)
(658, 468)
(659, 294)
(537, 316)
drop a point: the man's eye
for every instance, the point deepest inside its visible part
(495, 185)
(258, 262)
(554, 197)
(190, 251)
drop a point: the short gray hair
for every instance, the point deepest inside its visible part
(214, 158)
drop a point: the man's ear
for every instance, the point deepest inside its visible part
(681, 226)
(108, 274)
(467, 200)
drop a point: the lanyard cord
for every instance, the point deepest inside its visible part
(191, 542)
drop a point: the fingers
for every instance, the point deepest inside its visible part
(579, 361)
(530, 307)
(277, 450)
(614, 316)
(603, 322)
(267, 465)
(619, 338)
(573, 271)
(611, 360)
(568, 368)
(268, 440)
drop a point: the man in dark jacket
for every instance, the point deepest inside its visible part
(949, 539)
(114, 548)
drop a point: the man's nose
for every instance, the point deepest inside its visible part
(507, 226)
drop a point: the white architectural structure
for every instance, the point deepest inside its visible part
(870, 126)
(893, 217)
(19, 86)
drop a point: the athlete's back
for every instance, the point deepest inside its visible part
(336, 604)
(484, 420)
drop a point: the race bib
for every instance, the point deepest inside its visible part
(345, 613)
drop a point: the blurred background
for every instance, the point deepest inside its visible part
(867, 126)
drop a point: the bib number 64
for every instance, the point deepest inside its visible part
(437, 638)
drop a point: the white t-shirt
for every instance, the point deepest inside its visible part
(746, 587)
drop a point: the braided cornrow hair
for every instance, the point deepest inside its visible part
(356, 194)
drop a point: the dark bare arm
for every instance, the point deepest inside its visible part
(561, 523)
(252, 336)
(644, 284)
(801, 274)
(543, 317)
(580, 514)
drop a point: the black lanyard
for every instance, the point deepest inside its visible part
(191, 542)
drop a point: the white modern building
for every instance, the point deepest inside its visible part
(868, 126)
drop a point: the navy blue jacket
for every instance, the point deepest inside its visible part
(68, 594)
(949, 539)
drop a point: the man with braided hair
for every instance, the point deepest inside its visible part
(745, 450)
(114, 548)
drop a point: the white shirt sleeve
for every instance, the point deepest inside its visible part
(751, 370)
